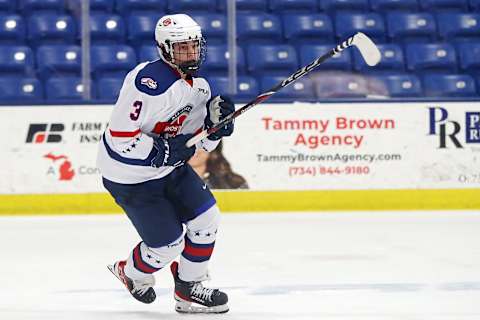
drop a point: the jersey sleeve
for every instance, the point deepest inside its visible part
(129, 113)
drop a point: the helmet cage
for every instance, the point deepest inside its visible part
(167, 52)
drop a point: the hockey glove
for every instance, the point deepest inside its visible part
(172, 151)
(218, 108)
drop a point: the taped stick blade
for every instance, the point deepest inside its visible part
(367, 48)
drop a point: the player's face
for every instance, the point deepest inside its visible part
(188, 51)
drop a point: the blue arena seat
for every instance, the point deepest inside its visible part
(443, 5)
(245, 5)
(29, 7)
(271, 59)
(411, 27)
(392, 59)
(449, 85)
(293, 5)
(310, 52)
(247, 87)
(8, 5)
(181, 6)
(305, 28)
(141, 28)
(20, 90)
(347, 24)
(214, 26)
(343, 5)
(216, 62)
(106, 27)
(459, 26)
(58, 60)
(108, 89)
(422, 57)
(337, 85)
(394, 5)
(64, 89)
(112, 60)
(475, 5)
(300, 90)
(125, 7)
(95, 5)
(12, 29)
(16, 60)
(258, 27)
(468, 54)
(147, 53)
(49, 28)
(395, 85)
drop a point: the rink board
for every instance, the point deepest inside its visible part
(256, 201)
(294, 157)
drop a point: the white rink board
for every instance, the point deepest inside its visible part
(357, 146)
(266, 142)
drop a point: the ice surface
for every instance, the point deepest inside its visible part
(329, 266)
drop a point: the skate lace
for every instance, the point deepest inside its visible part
(142, 285)
(203, 293)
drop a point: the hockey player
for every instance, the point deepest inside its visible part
(142, 157)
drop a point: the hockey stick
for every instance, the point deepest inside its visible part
(367, 48)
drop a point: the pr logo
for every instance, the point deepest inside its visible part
(45, 133)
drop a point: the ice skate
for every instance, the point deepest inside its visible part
(142, 289)
(193, 297)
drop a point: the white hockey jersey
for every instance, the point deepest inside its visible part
(154, 101)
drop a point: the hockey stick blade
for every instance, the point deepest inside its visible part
(367, 48)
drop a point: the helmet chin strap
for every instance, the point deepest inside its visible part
(188, 67)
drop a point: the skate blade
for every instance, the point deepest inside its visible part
(112, 270)
(183, 306)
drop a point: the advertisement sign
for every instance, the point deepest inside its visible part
(335, 146)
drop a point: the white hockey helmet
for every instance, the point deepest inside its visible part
(176, 28)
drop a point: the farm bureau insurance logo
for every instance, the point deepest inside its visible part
(449, 131)
(64, 166)
(45, 133)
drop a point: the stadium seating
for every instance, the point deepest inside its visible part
(443, 5)
(475, 5)
(58, 60)
(431, 57)
(16, 60)
(459, 26)
(216, 62)
(125, 7)
(180, 6)
(300, 90)
(308, 28)
(449, 85)
(400, 85)
(141, 28)
(247, 87)
(258, 28)
(340, 5)
(12, 29)
(49, 28)
(20, 90)
(310, 52)
(214, 26)
(112, 60)
(272, 59)
(64, 89)
(29, 7)
(107, 28)
(469, 54)
(346, 24)
(147, 53)
(7, 5)
(337, 85)
(293, 5)
(108, 89)
(394, 5)
(411, 27)
(392, 60)
(245, 5)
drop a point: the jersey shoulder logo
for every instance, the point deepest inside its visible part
(149, 82)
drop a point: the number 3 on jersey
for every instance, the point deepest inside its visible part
(137, 107)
